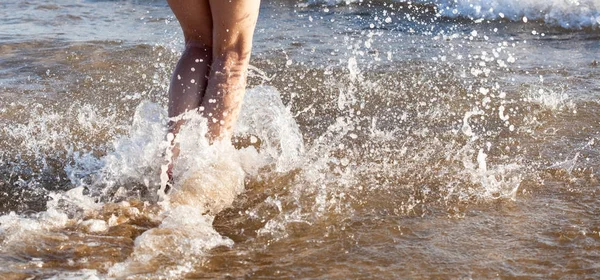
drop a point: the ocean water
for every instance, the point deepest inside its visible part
(378, 139)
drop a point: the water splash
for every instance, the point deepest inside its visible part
(209, 177)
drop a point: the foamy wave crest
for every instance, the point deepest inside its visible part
(570, 14)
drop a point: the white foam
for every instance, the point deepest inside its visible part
(491, 182)
(173, 248)
(207, 176)
(570, 14)
(88, 274)
(550, 99)
(208, 179)
(54, 134)
(138, 154)
(265, 116)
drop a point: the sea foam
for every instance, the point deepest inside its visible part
(569, 14)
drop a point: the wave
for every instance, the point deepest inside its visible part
(569, 14)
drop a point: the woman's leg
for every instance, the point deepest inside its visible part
(189, 80)
(233, 28)
(190, 77)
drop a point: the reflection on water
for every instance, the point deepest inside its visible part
(377, 139)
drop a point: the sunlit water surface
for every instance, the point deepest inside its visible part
(378, 139)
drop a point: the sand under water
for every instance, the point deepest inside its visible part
(378, 139)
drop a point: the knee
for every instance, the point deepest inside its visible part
(198, 39)
(234, 49)
(232, 60)
(199, 50)
(197, 44)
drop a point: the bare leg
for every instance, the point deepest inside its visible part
(189, 80)
(233, 28)
(190, 76)
(211, 73)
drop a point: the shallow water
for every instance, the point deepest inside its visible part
(377, 140)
